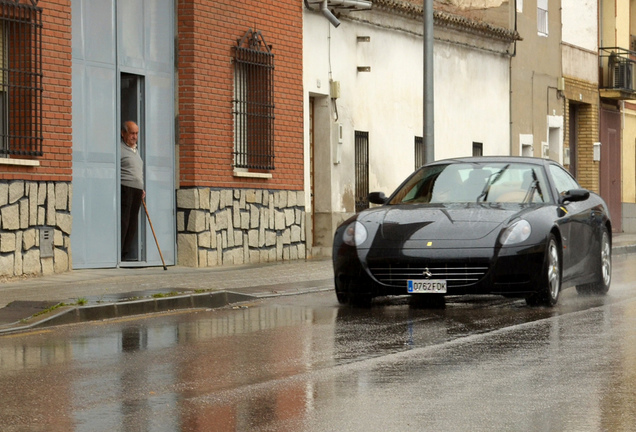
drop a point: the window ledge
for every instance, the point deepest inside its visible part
(238, 173)
(20, 162)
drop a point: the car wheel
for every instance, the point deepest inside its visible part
(341, 294)
(347, 294)
(548, 293)
(601, 286)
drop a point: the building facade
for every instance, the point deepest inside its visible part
(216, 88)
(617, 84)
(363, 97)
(536, 98)
(240, 133)
(579, 52)
(36, 164)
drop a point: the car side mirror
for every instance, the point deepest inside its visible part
(574, 195)
(377, 198)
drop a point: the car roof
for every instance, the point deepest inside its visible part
(498, 159)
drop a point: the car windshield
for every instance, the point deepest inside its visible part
(498, 182)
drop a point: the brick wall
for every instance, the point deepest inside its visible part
(207, 31)
(586, 95)
(223, 218)
(56, 163)
(35, 192)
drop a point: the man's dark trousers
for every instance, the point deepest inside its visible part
(130, 204)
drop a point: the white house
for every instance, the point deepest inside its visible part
(363, 84)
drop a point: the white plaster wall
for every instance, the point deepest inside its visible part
(580, 23)
(472, 101)
(471, 98)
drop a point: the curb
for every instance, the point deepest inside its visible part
(74, 315)
(623, 250)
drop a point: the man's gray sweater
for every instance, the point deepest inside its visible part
(132, 168)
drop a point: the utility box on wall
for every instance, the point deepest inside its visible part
(596, 152)
(46, 242)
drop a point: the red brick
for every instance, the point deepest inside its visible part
(206, 37)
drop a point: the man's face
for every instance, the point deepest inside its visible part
(130, 137)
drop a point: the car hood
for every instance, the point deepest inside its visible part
(426, 223)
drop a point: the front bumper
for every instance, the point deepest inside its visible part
(511, 271)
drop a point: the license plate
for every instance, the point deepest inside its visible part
(435, 286)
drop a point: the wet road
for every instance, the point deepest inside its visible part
(302, 363)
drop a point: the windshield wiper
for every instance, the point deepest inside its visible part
(492, 179)
(534, 186)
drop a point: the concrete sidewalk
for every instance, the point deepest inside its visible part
(82, 295)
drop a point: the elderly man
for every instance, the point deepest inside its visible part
(132, 187)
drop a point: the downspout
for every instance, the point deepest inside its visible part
(358, 4)
(325, 11)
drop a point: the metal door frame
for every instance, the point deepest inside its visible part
(139, 118)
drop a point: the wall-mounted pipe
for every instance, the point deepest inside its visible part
(327, 13)
(356, 4)
(339, 4)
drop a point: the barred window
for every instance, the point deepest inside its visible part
(20, 78)
(478, 148)
(253, 104)
(362, 170)
(419, 152)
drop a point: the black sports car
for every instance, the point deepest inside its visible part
(512, 226)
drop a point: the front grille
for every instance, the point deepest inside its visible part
(455, 275)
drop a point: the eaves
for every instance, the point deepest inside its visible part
(447, 20)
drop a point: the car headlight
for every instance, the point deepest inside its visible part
(516, 233)
(355, 234)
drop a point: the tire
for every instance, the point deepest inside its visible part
(548, 293)
(345, 295)
(602, 285)
(341, 292)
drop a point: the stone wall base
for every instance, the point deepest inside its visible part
(35, 228)
(218, 227)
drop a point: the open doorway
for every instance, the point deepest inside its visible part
(132, 108)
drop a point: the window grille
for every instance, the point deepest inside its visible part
(362, 170)
(253, 103)
(20, 78)
(419, 152)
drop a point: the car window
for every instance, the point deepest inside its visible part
(563, 180)
(475, 182)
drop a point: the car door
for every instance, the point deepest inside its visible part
(576, 227)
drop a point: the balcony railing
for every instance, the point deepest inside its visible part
(618, 73)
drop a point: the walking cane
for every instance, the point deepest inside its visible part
(153, 234)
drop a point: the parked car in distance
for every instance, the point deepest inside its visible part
(511, 226)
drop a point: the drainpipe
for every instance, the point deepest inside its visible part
(358, 4)
(327, 13)
(324, 9)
